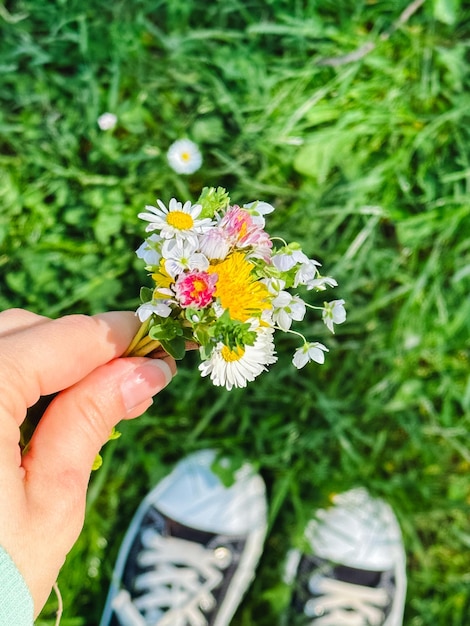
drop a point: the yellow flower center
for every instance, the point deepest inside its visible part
(232, 355)
(237, 288)
(185, 156)
(180, 220)
(198, 287)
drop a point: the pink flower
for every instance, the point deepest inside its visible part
(195, 289)
(237, 223)
(244, 232)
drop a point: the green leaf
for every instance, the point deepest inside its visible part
(167, 328)
(146, 294)
(108, 223)
(226, 468)
(322, 114)
(233, 333)
(175, 347)
(208, 130)
(213, 200)
(201, 335)
(324, 151)
(446, 10)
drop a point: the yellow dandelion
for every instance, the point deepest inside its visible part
(238, 289)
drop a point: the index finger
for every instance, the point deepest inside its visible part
(55, 354)
(13, 320)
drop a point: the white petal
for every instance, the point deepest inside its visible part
(283, 319)
(198, 261)
(300, 358)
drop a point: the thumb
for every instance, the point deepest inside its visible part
(80, 419)
(62, 450)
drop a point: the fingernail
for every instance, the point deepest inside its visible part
(145, 382)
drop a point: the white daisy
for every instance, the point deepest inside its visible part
(333, 313)
(107, 121)
(184, 156)
(314, 351)
(178, 220)
(234, 368)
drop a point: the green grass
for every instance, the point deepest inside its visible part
(368, 165)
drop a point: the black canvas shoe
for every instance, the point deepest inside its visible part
(353, 573)
(191, 549)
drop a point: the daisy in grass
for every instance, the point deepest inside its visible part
(184, 156)
(219, 282)
(107, 121)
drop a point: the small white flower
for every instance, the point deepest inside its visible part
(287, 308)
(321, 283)
(159, 307)
(107, 121)
(178, 220)
(314, 351)
(306, 272)
(184, 156)
(285, 261)
(148, 252)
(258, 210)
(333, 313)
(274, 285)
(182, 255)
(234, 368)
(259, 207)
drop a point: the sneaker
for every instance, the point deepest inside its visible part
(191, 549)
(354, 572)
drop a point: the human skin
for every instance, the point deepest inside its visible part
(43, 492)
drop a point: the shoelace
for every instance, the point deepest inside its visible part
(177, 590)
(341, 603)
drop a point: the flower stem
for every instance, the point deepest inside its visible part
(60, 607)
(313, 306)
(292, 332)
(140, 335)
(145, 347)
(142, 344)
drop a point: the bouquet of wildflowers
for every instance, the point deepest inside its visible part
(220, 283)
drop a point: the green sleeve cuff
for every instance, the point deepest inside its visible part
(16, 603)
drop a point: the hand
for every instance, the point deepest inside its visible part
(42, 495)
